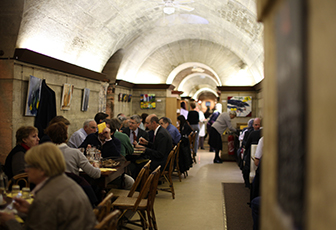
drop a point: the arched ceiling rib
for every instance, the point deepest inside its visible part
(221, 34)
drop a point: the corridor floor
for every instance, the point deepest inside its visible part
(198, 202)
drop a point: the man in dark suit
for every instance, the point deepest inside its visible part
(134, 132)
(162, 144)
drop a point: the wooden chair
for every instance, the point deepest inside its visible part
(19, 179)
(143, 204)
(166, 173)
(103, 208)
(140, 180)
(192, 137)
(110, 222)
(177, 161)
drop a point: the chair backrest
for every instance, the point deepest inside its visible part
(170, 161)
(103, 208)
(177, 152)
(18, 178)
(153, 188)
(110, 222)
(192, 140)
(145, 190)
(142, 177)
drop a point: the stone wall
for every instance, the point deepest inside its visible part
(160, 96)
(122, 106)
(133, 107)
(14, 86)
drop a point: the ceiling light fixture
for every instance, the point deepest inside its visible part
(169, 10)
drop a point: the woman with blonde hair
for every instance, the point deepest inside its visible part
(57, 198)
(26, 137)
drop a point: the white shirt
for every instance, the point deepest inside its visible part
(202, 123)
(156, 130)
(132, 136)
(260, 146)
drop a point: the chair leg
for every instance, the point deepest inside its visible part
(150, 220)
(171, 185)
(154, 220)
(143, 219)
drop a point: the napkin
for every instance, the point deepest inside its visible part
(101, 127)
(107, 170)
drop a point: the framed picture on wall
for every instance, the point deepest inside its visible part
(241, 104)
(147, 101)
(125, 97)
(33, 96)
(86, 95)
(66, 96)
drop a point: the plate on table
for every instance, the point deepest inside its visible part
(109, 163)
(138, 152)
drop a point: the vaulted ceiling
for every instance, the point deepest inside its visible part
(222, 37)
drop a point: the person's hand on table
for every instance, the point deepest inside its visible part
(96, 164)
(5, 216)
(143, 141)
(21, 205)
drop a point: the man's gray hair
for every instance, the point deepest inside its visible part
(121, 118)
(232, 112)
(87, 122)
(136, 118)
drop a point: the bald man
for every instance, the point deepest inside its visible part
(162, 144)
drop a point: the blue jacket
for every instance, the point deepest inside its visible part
(174, 133)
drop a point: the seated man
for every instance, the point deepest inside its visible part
(77, 138)
(105, 142)
(134, 132)
(174, 133)
(162, 144)
(126, 145)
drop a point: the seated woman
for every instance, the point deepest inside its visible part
(45, 137)
(74, 158)
(26, 137)
(185, 128)
(58, 198)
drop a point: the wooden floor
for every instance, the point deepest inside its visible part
(198, 202)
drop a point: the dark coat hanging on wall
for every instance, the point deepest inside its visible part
(46, 110)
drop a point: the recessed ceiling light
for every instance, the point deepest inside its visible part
(169, 10)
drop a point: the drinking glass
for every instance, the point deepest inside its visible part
(26, 193)
(15, 190)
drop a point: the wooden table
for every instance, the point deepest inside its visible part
(107, 177)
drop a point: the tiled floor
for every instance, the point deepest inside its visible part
(198, 202)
